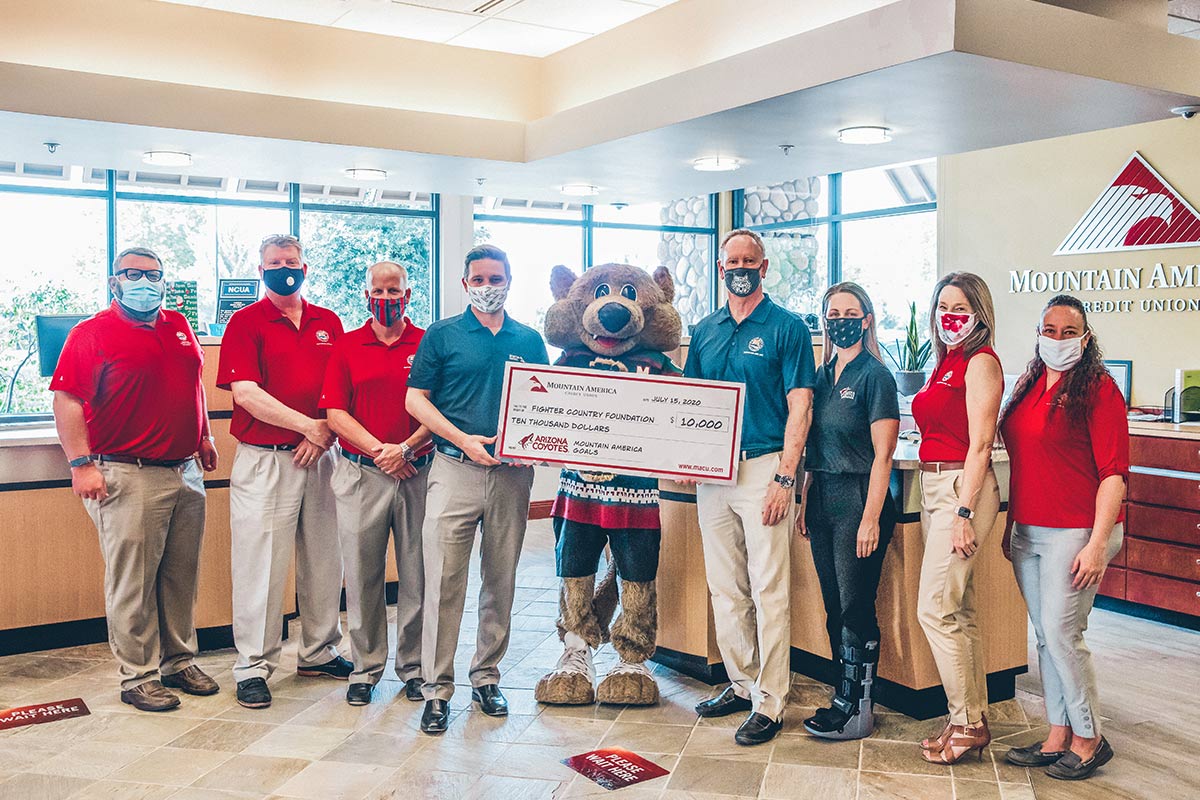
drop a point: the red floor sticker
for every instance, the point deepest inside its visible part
(614, 768)
(43, 712)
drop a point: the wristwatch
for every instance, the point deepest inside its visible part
(965, 512)
(82, 461)
(786, 481)
(407, 452)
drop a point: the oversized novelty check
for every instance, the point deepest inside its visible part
(635, 424)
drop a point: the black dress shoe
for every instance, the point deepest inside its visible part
(757, 729)
(359, 694)
(253, 693)
(436, 717)
(412, 689)
(1033, 756)
(339, 669)
(490, 699)
(724, 704)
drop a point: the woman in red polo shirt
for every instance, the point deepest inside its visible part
(1068, 442)
(956, 412)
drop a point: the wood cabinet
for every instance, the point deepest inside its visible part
(1161, 566)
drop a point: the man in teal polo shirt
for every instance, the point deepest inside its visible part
(454, 390)
(746, 528)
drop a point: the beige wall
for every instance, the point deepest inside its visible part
(1010, 208)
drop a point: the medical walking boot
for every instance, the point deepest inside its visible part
(851, 715)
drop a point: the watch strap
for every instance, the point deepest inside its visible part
(81, 461)
(786, 481)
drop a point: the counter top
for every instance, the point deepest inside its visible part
(906, 455)
(1167, 430)
(28, 435)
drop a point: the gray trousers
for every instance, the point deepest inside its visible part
(150, 526)
(1042, 559)
(277, 509)
(372, 507)
(463, 497)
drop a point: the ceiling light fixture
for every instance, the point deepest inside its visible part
(716, 164)
(365, 174)
(167, 158)
(865, 134)
(580, 190)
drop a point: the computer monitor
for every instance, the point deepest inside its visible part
(52, 330)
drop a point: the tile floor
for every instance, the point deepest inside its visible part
(310, 744)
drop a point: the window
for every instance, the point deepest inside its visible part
(54, 251)
(889, 187)
(339, 246)
(798, 267)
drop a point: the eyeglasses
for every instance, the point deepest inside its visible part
(152, 275)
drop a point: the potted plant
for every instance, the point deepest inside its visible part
(910, 355)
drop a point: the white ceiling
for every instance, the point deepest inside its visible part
(522, 27)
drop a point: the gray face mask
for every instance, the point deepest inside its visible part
(487, 299)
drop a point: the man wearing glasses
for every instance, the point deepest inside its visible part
(273, 358)
(130, 411)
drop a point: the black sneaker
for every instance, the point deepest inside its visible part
(253, 693)
(339, 669)
(359, 694)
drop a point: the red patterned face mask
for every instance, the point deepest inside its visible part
(954, 328)
(386, 311)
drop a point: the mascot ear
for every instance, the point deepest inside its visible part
(561, 279)
(662, 276)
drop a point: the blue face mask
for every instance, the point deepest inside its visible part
(283, 280)
(142, 295)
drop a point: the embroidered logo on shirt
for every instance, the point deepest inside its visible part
(945, 379)
(847, 393)
(756, 344)
(323, 336)
(183, 340)
(515, 357)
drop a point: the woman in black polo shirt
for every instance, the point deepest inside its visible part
(847, 512)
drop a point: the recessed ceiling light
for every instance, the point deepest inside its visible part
(716, 164)
(580, 190)
(865, 134)
(167, 158)
(365, 174)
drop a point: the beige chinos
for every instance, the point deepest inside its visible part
(946, 596)
(748, 565)
(463, 497)
(150, 528)
(277, 509)
(372, 507)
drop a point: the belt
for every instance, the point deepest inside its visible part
(367, 461)
(941, 466)
(746, 455)
(451, 451)
(143, 462)
(281, 447)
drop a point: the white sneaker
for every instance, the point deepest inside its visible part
(579, 661)
(625, 668)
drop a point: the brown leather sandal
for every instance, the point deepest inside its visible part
(940, 741)
(961, 742)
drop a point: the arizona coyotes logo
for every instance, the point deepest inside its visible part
(536, 385)
(1138, 211)
(524, 442)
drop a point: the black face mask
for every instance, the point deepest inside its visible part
(844, 331)
(742, 282)
(283, 280)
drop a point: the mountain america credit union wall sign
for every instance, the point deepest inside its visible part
(1138, 211)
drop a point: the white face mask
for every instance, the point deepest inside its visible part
(142, 295)
(955, 328)
(487, 299)
(1060, 354)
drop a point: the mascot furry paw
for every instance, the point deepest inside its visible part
(618, 318)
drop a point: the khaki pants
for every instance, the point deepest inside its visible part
(372, 507)
(150, 525)
(463, 497)
(946, 597)
(749, 577)
(275, 509)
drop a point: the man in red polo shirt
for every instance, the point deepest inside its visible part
(380, 481)
(273, 358)
(130, 412)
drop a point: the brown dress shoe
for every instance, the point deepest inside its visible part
(150, 696)
(191, 680)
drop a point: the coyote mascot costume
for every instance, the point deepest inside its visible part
(618, 318)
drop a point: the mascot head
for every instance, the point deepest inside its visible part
(613, 308)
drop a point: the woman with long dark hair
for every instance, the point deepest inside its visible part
(1068, 442)
(848, 514)
(956, 412)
